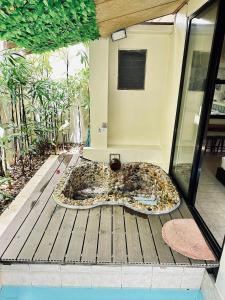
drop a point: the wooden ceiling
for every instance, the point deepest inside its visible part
(113, 15)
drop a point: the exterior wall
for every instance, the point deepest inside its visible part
(140, 123)
(194, 5)
(98, 55)
(133, 115)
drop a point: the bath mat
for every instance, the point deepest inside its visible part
(184, 236)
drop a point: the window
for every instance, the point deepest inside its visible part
(131, 69)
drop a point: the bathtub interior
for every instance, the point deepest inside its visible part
(138, 185)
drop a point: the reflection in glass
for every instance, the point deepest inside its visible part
(219, 95)
(211, 192)
(198, 55)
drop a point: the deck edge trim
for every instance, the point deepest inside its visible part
(17, 204)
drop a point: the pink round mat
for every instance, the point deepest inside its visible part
(184, 236)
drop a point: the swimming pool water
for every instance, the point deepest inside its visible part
(40, 293)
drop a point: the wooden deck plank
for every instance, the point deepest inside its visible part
(62, 240)
(119, 241)
(176, 214)
(91, 237)
(179, 259)
(132, 237)
(23, 233)
(185, 212)
(147, 242)
(76, 242)
(164, 253)
(44, 249)
(30, 246)
(74, 160)
(27, 207)
(104, 254)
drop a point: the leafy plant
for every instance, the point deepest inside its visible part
(5, 196)
(16, 71)
(43, 25)
(38, 107)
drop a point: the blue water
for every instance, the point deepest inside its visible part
(144, 200)
(36, 293)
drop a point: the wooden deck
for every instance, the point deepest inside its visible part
(46, 233)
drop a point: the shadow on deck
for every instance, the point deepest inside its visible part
(43, 232)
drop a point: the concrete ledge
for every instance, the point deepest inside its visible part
(209, 289)
(151, 154)
(101, 276)
(9, 214)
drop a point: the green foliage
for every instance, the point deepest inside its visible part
(43, 25)
(4, 180)
(82, 87)
(5, 196)
(38, 107)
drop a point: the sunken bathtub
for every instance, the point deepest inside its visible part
(142, 187)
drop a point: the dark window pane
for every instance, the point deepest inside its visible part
(131, 69)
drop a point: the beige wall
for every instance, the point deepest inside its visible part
(194, 5)
(140, 123)
(133, 115)
(98, 55)
(138, 120)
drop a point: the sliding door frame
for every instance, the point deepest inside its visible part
(214, 61)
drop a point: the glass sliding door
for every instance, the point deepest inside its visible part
(192, 93)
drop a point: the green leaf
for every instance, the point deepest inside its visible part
(46, 25)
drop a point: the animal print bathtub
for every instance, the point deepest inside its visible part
(143, 187)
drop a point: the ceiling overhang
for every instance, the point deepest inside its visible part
(113, 15)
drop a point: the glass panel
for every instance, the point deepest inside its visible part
(211, 188)
(199, 48)
(219, 95)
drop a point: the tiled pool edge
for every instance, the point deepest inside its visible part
(9, 214)
(101, 276)
(208, 288)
